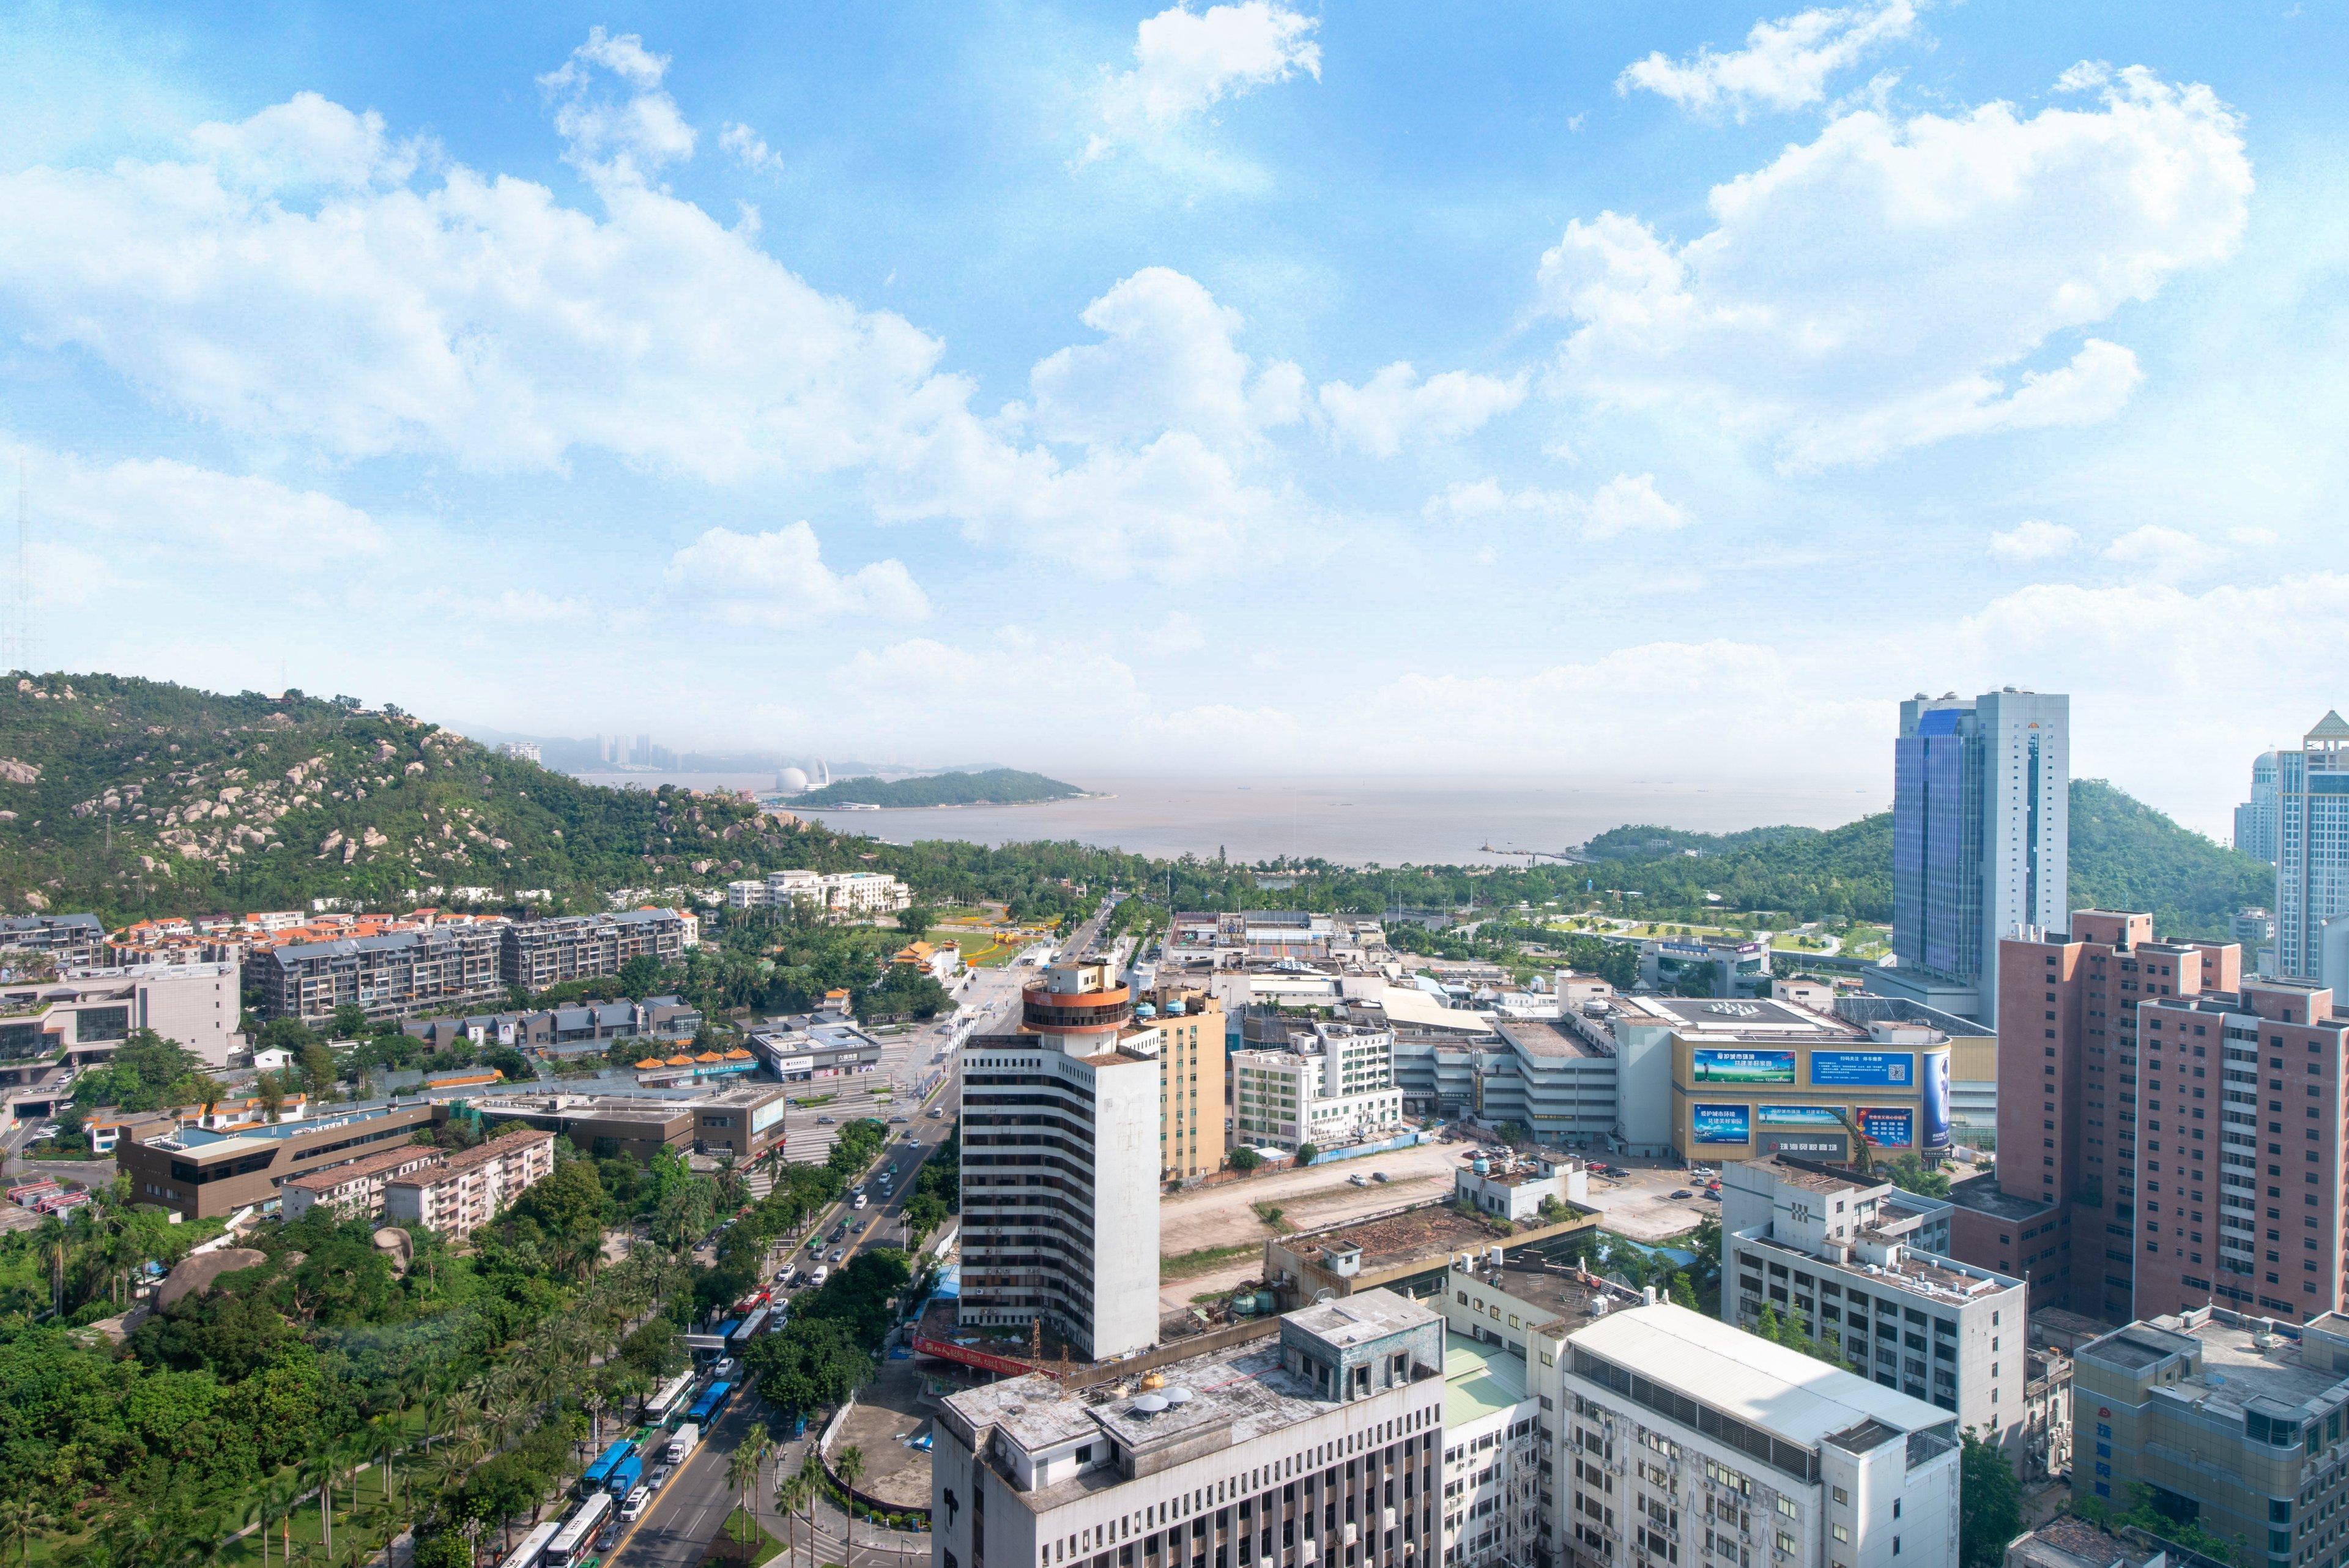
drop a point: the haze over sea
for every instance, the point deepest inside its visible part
(1391, 822)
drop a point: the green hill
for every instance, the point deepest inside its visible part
(135, 797)
(996, 786)
(2125, 856)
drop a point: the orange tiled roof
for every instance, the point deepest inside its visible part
(650, 1063)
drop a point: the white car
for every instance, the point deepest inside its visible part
(633, 1505)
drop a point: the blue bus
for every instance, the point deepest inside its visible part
(713, 1400)
(600, 1472)
(726, 1330)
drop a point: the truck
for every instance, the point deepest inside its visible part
(625, 1475)
(600, 1472)
(681, 1443)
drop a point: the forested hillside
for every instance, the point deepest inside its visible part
(995, 786)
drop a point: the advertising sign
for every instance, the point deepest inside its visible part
(1936, 1099)
(1721, 1124)
(1864, 1069)
(1713, 1066)
(1893, 1127)
(1798, 1116)
(767, 1116)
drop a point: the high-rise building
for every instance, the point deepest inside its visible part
(1191, 1120)
(2231, 1425)
(2255, 819)
(2312, 845)
(1980, 841)
(1059, 1167)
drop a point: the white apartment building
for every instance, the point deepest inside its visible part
(1685, 1440)
(1315, 1443)
(355, 1191)
(1494, 1501)
(1059, 1167)
(849, 893)
(466, 1191)
(1849, 1262)
(1334, 1084)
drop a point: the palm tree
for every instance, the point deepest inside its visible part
(792, 1494)
(742, 1468)
(850, 1468)
(21, 1513)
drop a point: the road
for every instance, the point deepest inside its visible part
(695, 1502)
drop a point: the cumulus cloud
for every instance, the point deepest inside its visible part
(198, 517)
(1186, 61)
(304, 143)
(1627, 504)
(1785, 63)
(2165, 554)
(778, 579)
(911, 691)
(616, 121)
(1889, 284)
(1166, 360)
(1395, 406)
(748, 149)
(2033, 539)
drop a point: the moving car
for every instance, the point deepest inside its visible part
(1682, 1192)
(825, 1121)
(633, 1505)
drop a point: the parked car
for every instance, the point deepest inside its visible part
(1682, 1192)
(1378, 1176)
(1358, 1180)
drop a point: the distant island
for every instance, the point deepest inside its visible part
(996, 786)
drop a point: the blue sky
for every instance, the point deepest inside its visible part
(1577, 390)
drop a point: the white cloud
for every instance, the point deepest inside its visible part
(748, 149)
(927, 693)
(1395, 406)
(1785, 63)
(2163, 555)
(1627, 504)
(198, 518)
(305, 143)
(1887, 284)
(1166, 361)
(2033, 539)
(779, 579)
(625, 136)
(1186, 61)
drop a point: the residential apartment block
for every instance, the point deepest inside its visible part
(355, 1190)
(2234, 1422)
(1329, 1084)
(1686, 1441)
(389, 976)
(539, 953)
(1860, 1265)
(1191, 1078)
(1317, 1442)
(841, 894)
(462, 1192)
(1059, 1167)
(66, 939)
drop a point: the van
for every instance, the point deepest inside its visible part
(633, 1505)
(823, 1273)
(860, 1201)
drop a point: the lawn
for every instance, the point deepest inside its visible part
(1183, 1264)
(730, 1546)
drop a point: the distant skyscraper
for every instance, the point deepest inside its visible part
(2255, 819)
(2312, 845)
(1980, 841)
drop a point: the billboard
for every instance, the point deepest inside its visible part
(1798, 1116)
(1713, 1066)
(1721, 1123)
(1893, 1127)
(1936, 1099)
(1864, 1069)
(767, 1116)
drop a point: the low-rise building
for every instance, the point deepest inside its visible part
(814, 1045)
(603, 1125)
(940, 960)
(2234, 1422)
(355, 1190)
(68, 940)
(1329, 1084)
(1520, 1188)
(2068, 1541)
(1319, 1442)
(205, 1174)
(1852, 1262)
(1685, 1439)
(1410, 1252)
(458, 1194)
(54, 1029)
(841, 894)
(745, 1123)
(560, 1030)
(2046, 1441)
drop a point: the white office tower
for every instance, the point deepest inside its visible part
(2312, 845)
(1687, 1442)
(1060, 1168)
(2255, 819)
(1980, 841)
(1315, 1448)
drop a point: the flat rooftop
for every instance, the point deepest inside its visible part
(1982, 1195)
(1429, 1231)
(2236, 1372)
(1565, 1291)
(1784, 1392)
(1479, 1380)
(1920, 1274)
(1740, 1019)
(1543, 1037)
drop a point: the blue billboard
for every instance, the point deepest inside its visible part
(1721, 1124)
(1936, 1099)
(1718, 1066)
(1892, 1126)
(1798, 1116)
(1864, 1069)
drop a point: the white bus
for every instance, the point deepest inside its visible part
(669, 1400)
(576, 1538)
(533, 1547)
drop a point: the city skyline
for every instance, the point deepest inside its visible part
(1631, 392)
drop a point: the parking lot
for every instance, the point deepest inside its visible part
(1641, 1205)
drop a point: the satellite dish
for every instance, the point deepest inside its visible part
(1178, 1395)
(1151, 1404)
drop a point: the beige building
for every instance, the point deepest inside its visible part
(355, 1191)
(464, 1191)
(1190, 1083)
